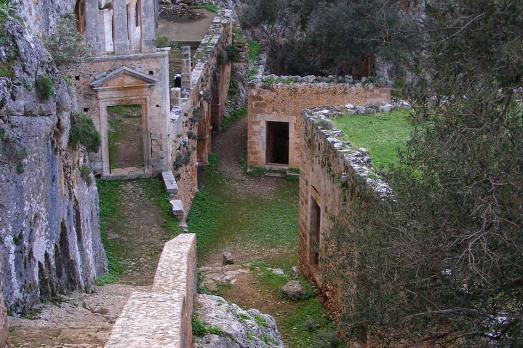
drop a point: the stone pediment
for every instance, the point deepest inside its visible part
(123, 77)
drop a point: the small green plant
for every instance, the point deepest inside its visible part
(85, 173)
(7, 10)
(233, 54)
(162, 41)
(199, 329)
(6, 70)
(260, 321)
(255, 50)
(209, 7)
(84, 132)
(44, 87)
(20, 168)
(2, 134)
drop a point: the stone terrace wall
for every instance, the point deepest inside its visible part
(335, 176)
(161, 318)
(191, 114)
(282, 100)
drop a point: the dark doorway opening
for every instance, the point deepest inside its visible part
(278, 143)
(125, 136)
(314, 233)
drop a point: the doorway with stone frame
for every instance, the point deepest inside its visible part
(277, 143)
(314, 235)
(125, 135)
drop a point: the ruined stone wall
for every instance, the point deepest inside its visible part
(284, 102)
(335, 176)
(154, 65)
(200, 107)
(49, 230)
(162, 317)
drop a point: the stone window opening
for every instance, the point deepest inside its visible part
(277, 148)
(314, 232)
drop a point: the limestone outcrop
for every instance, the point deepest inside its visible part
(230, 326)
(49, 225)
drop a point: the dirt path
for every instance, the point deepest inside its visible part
(86, 320)
(230, 146)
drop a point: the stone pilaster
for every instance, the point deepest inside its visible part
(93, 25)
(148, 25)
(186, 68)
(121, 36)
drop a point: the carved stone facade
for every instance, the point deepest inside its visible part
(127, 69)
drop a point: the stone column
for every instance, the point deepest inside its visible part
(92, 27)
(131, 27)
(121, 37)
(148, 31)
(186, 68)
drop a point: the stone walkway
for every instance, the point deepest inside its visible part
(86, 320)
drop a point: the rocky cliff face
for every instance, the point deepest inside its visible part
(49, 228)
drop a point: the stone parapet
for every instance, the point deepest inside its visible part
(161, 318)
(285, 102)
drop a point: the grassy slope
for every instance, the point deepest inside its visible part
(218, 214)
(382, 134)
(110, 197)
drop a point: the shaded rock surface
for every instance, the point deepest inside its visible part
(234, 327)
(49, 219)
(294, 290)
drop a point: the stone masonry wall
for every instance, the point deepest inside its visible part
(155, 65)
(284, 102)
(162, 317)
(335, 176)
(193, 115)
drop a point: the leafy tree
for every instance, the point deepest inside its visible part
(441, 262)
(327, 37)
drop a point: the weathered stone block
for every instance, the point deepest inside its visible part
(170, 182)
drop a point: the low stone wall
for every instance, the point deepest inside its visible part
(161, 318)
(334, 177)
(280, 99)
(199, 106)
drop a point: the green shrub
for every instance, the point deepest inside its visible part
(209, 7)
(6, 70)
(2, 134)
(65, 43)
(326, 339)
(6, 10)
(162, 41)
(20, 168)
(85, 173)
(44, 87)
(84, 132)
(233, 54)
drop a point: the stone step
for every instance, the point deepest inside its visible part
(170, 182)
(177, 207)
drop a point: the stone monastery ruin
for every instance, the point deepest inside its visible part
(49, 225)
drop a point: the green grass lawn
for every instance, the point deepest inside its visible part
(382, 134)
(218, 215)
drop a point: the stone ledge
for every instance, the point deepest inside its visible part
(162, 317)
(149, 320)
